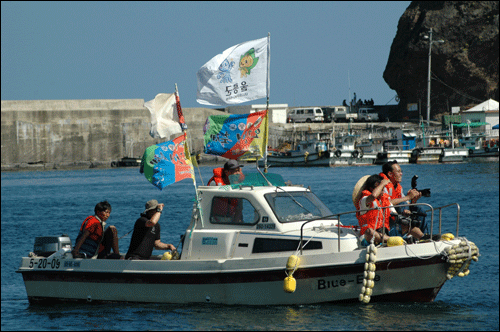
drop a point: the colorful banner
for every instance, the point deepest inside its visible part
(238, 75)
(164, 116)
(168, 162)
(237, 136)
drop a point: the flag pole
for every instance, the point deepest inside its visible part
(184, 128)
(267, 93)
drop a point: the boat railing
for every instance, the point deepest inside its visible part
(338, 215)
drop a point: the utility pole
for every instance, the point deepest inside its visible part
(429, 73)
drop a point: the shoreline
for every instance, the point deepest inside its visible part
(211, 162)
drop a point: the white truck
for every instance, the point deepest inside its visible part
(367, 114)
(338, 114)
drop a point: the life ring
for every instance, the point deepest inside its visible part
(355, 154)
(338, 153)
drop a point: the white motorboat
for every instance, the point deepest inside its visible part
(242, 242)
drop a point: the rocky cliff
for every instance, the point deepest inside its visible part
(464, 68)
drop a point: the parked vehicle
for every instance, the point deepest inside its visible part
(308, 114)
(338, 114)
(367, 114)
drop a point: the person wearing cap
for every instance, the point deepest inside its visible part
(92, 239)
(146, 234)
(221, 174)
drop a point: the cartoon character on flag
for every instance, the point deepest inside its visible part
(237, 75)
(237, 136)
(168, 162)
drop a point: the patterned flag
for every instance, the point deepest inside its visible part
(237, 136)
(238, 75)
(164, 116)
(166, 163)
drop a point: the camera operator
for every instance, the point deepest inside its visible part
(392, 171)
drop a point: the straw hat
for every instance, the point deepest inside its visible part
(358, 188)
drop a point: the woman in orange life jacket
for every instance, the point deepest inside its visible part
(372, 222)
(221, 174)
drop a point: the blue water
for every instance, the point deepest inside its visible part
(56, 202)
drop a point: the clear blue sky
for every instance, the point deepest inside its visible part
(126, 50)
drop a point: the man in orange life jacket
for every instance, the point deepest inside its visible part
(221, 174)
(228, 207)
(392, 172)
(92, 239)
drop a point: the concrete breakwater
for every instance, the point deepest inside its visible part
(47, 134)
(81, 133)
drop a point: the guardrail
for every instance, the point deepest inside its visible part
(432, 209)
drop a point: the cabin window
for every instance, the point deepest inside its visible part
(296, 206)
(238, 211)
(262, 245)
(309, 111)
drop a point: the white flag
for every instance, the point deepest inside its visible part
(164, 118)
(238, 75)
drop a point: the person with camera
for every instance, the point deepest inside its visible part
(393, 172)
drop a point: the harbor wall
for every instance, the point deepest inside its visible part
(47, 134)
(63, 132)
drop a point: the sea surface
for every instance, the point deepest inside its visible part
(56, 202)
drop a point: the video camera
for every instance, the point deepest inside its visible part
(410, 219)
(424, 192)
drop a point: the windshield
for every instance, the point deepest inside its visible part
(296, 206)
(255, 179)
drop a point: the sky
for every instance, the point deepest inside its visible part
(321, 52)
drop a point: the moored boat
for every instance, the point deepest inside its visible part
(243, 257)
(308, 153)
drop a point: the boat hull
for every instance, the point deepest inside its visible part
(313, 159)
(320, 278)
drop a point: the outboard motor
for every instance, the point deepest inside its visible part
(47, 245)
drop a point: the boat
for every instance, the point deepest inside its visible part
(311, 152)
(349, 152)
(478, 145)
(283, 247)
(127, 162)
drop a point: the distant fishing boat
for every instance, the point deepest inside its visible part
(311, 152)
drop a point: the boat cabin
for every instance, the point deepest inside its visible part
(250, 218)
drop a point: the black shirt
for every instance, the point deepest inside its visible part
(143, 239)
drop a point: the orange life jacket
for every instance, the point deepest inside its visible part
(393, 192)
(374, 219)
(217, 178)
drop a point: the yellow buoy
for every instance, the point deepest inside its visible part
(447, 237)
(166, 256)
(292, 263)
(290, 284)
(395, 241)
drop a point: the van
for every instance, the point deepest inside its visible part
(306, 114)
